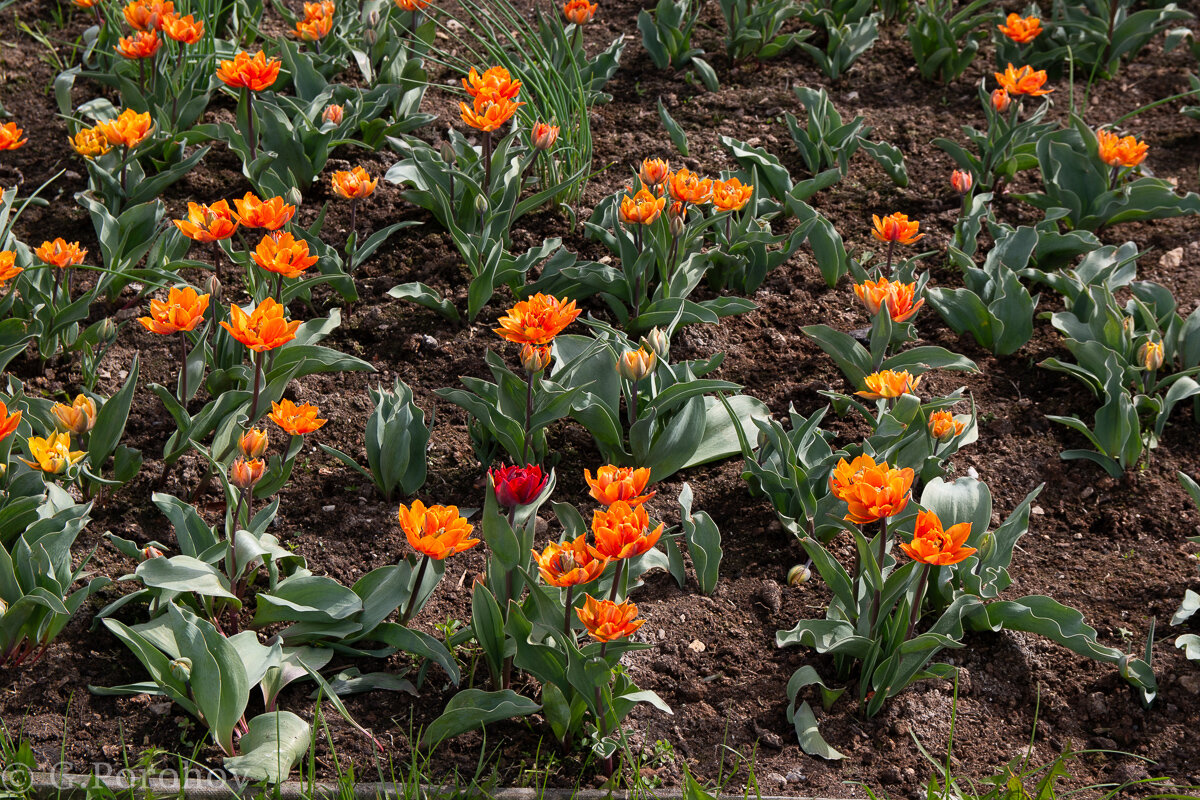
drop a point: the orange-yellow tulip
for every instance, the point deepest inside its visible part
(889, 384)
(537, 320)
(90, 143)
(569, 564)
(895, 296)
(208, 223)
(142, 44)
(1120, 151)
(493, 85)
(333, 113)
(436, 531)
(253, 443)
(489, 115)
(1000, 100)
(296, 419)
(1025, 80)
(60, 253)
(412, 5)
(962, 181)
(607, 621)
(535, 358)
(896, 228)
(128, 130)
(183, 311)
(244, 473)
(642, 208)
(313, 29)
(688, 187)
(282, 254)
(185, 30)
(8, 266)
(619, 484)
(543, 135)
(1021, 29)
(353, 184)
(263, 329)
(622, 531)
(148, 15)
(654, 171)
(943, 426)
(634, 365)
(1150, 355)
(77, 417)
(731, 195)
(245, 72)
(272, 213)
(10, 136)
(52, 455)
(871, 491)
(932, 545)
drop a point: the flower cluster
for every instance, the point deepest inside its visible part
(684, 188)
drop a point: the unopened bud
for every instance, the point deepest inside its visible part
(373, 19)
(677, 225)
(181, 668)
(1000, 100)
(481, 204)
(1151, 356)
(987, 546)
(213, 288)
(535, 358)
(3, 606)
(962, 181)
(634, 365)
(658, 341)
(151, 552)
(543, 136)
(447, 153)
(798, 575)
(334, 113)
(107, 332)
(370, 36)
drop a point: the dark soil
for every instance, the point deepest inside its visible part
(1116, 550)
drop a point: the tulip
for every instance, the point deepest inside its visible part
(889, 384)
(245, 473)
(10, 136)
(607, 621)
(537, 320)
(579, 12)
(622, 531)
(312, 30)
(283, 255)
(8, 422)
(208, 223)
(1118, 151)
(1000, 100)
(263, 329)
(1150, 355)
(148, 15)
(489, 115)
(731, 195)
(642, 208)
(518, 486)
(535, 358)
(185, 30)
(658, 341)
(142, 44)
(634, 365)
(78, 418)
(8, 266)
(52, 455)
(543, 136)
(150, 552)
(333, 113)
(294, 419)
(935, 546)
(896, 229)
(353, 184)
(493, 85)
(619, 484)
(60, 253)
(654, 171)
(90, 143)
(962, 181)
(437, 531)
(1025, 80)
(251, 73)
(182, 311)
(688, 187)
(896, 297)
(272, 213)
(412, 5)
(128, 130)
(570, 563)
(1021, 29)
(799, 575)
(943, 426)
(871, 491)
(253, 443)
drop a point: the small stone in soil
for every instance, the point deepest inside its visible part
(696, 646)
(795, 777)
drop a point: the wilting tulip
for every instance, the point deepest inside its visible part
(90, 143)
(654, 171)
(731, 195)
(253, 73)
(622, 531)
(8, 422)
(1021, 29)
(962, 181)
(937, 547)
(607, 621)
(272, 213)
(333, 113)
(634, 365)
(142, 44)
(245, 473)
(52, 455)
(263, 329)
(490, 115)
(60, 253)
(642, 208)
(353, 184)
(871, 491)
(688, 187)
(493, 85)
(619, 485)
(10, 136)
(253, 443)
(579, 12)
(185, 30)
(128, 130)
(284, 255)
(896, 228)
(8, 266)
(78, 418)
(537, 320)
(1150, 355)
(436, 531)
(1120, 151)
(543, 136)
(570, 563)
(208, 223)
(535, 358)
(296, 419)
(183, 311)
(1023, 81)
(518, 486)
(889, 384)
(1000, 100)
(943, 426)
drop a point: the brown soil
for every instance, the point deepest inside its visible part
(1114, 549)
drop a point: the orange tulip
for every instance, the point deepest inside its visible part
(607, 621)
(8, 422)
(654, 171)
(543, 136)
(641, 209)
(579, 12)
(937, 547)
(943, 426)
(185, 30)
(296, 420)
(1021, 29)
(263, 329)
(621, 531)
(436, 531)
(535, 358)
(354, 184)
(895, 296)
(90, 143)
(570, 563)
(490, 115)
(253, 443)
(210, 223)
(412, 5)
(271, 214)
(493, 85)
(731, 195)
(962, 181)
(245, 72)
(142, 44)
(312, 30)
(896, 228)
(333, 113)
(323, 8)
(1118, 151)
(889, 384)
(244, 473)
(688, 187)
(619, 484)
(634, 365)
(537, 320)
(183, 311)
(148, 15)
(8, 266)
(1000, 100)
(1025, 80)
(77, 417)
(61, 253)
(84, 3)
(871, 491)
(128, 130)
(10, 136)
(282, 254)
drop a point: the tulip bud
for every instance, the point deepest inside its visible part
(373, 19)
(1001, 100)
(543, 136)
(987, 546)
(107, 332)
(1151, 356)
(151, 552)
(253, 443)
(447, 152)
(244, 474)
(481, 204)
(634, 365)
(798, 575)
(181, 668)
(654, 171)
(3, 606)
(371, 36)
(77, 418)
(213, 288)
(333, 113)
(677, 225)
(658, 341)
(962, 181)
(534, 358)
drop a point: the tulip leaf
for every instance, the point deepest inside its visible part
(426, 297)
(964, 500)
(678, 137)
(273, 744)
(472, 709)
(183, 574)
(111, 419)
(802, 717)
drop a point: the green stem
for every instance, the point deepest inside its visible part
(416, 590)
(878, 598)
(528, 417)
(918, 598)
(616, 585)
(567, 615)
